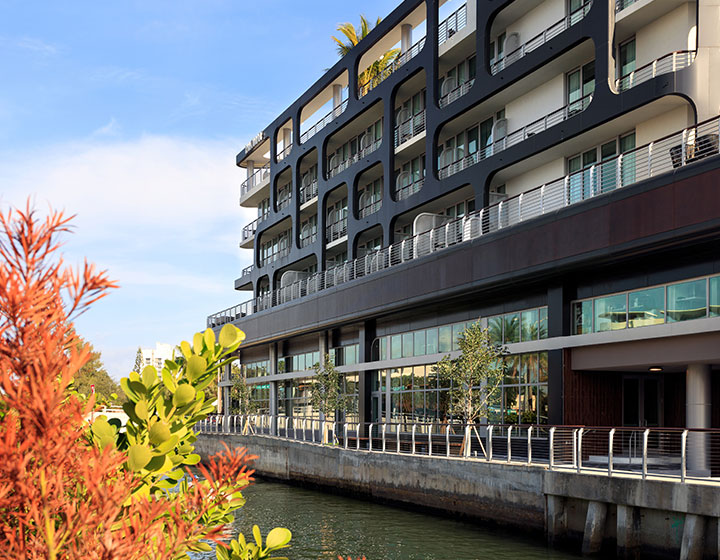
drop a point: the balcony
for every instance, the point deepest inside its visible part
(308, 192)
(272, 257)
(368, 210)
(247, 271)
(336, 231)
(664, 65)
(308, 239)
(410, 127)
(323, 122)
(407, 190)
(343, 165)
(657, 158)
(540, 39)
(571, 109)
(284, 153)
(247, 236)
(259, 178)
(367, 87)
(455, 93)
(452, 24)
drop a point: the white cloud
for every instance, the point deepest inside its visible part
(112, 128)
(37, 46)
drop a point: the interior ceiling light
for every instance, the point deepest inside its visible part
(655, 368)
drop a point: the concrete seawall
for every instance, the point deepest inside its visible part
(623, 516)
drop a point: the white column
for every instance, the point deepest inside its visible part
(405, 38)
(337, 97)
(697, 415)
(287, 137)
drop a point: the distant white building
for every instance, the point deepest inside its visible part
(157, 356)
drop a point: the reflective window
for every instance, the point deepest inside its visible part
(686, 301)
(610, 313)
(646, 307)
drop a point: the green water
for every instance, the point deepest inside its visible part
(326, 525)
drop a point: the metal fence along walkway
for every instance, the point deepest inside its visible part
(675, 454)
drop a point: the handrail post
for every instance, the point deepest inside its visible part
(384, 427)
(413, 438)
(650, 154)
(574, 447)
(579, 449)
(370, 428)
(357, 437)
(646, 433)
(490, 449)
(683, 146)
(430, 441)
(611, 441)
(447, 440)
(397, 433)
(509, 445)
(345, 435)
(529, 453)
(552, 447)
(683, 455)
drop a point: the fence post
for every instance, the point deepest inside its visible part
(529, 460)
(682, 144)
(357, 437)
(650, 154)
(345, 439)
(430, 441)
(447, 440)
(397, 434)
(490, 451)
(413, 438)
(509, 445)
(466, 442)
(552, 447)
(646, 433)
(610, 451)
(384, 427)
(579, 450)
(574, 448)
(370, 428)
(683, 455)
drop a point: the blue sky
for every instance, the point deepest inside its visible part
(130, 114)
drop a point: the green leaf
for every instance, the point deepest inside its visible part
(168, 380)
(257, 535)
(196, 366)
(185, 349)
(197, 343)
(193, 459)
(159, 464)
(209, 338)
(184, 394)
(278, 538)
(159, 432)
(125, 386)
(141, 410)
(230, 335)
(168, 445)
(149, 376)
(138, 457)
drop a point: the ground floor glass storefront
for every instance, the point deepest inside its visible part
(415, 394)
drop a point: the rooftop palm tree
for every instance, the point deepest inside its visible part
(373, 75)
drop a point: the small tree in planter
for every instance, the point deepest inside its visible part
(241, 393)
(327, 395)
(474, 376)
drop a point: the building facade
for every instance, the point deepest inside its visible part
(546, 167)
(157, 356)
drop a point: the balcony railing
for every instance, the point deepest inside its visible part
(452, 24)
(517, 136)
(409, 128)
(343, 165)
(282, 252)
(260, 175)
(308, 192)
(370, 209)
(247, 270)
(456, 93)
(661, 156)
(367, 87)
(541, 38)
(622, 4)
(284, 153)
(309, 239)
(323, 122)
(248, 232)
(285, 200)
(401, 193)
(669, 63)
(336, 231)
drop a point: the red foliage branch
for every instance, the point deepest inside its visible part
(61, 496)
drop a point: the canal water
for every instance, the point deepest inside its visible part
(326, 525)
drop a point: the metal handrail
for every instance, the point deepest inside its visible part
(622, 4)
(671, 62)
(285, 151)
(541, 38)
(336, 230)
(367, 87)
(371, 208)
(308, 192)
(247, 270)
(517, 136)
(344, 164)
(452, 24)
(456, 93)
(409, 128)
(408, 190)
(675, 454)
(323, 122)
(248, 232)
(255, 179)
(650, 160)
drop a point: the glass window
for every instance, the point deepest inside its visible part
(419, 343)
(495, 327)
(582, 317)
(646, 307)
(383, 347)
(457, 331)
(407, 378)
(611, 313)
(445, 339)
(543, 322)
(511, 327)
(431, 339)
(543, 367)
(395, 379)
(418, 373)
(686, 301)
(395, 347)
(512, 370)
(528, 368)
(407, 345)
(529, 325)
(715, 296)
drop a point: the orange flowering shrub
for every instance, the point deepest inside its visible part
(66, 491)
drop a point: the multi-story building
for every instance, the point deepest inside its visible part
(157, 356)
(548, 167)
